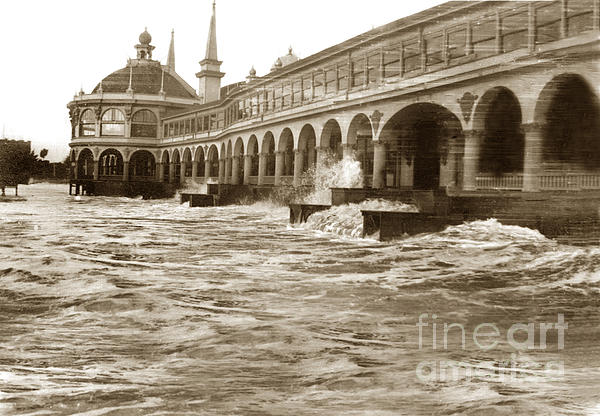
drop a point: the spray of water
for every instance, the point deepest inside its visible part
(332, 173)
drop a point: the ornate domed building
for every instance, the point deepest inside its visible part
(116, 128)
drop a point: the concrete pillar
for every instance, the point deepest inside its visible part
(221, 171)
(379, 164)
(96, 170)
(279, 160)
(207, 169)
(182, 167)
(532, 161)
(298, 164)
(194, 170)
(228, 169)
(171, 172)
(160, 172)
(471, 160)
(407, 172)
(262, 168)
(247, 169)
(126, 171)
(235, 170)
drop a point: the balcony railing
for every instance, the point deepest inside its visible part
(570, 181)
(503, 182)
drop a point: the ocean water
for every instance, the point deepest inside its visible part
(115, 306)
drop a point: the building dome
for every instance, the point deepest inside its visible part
(145, 37)
(145, 79)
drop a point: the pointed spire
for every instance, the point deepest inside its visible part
(171, 56)
(211, 44)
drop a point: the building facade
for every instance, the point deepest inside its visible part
(468, 96)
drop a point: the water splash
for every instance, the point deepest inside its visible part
(332, 173)
(347, 220)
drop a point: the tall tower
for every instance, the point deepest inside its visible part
(210, 67)
(171, 56)
(144, 49)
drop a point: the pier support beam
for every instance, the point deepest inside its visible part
(247, 169)
(160, 172)
(235, 170)
(298, 164)
(471, 159)
(221, 171)
(532, 161)
(379, 165)
(171, 172)
(194, 170)
(182, 168)
(279, 165)
(262, 168)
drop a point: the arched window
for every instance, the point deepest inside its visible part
(113, 123)
(87, 124)
(143, 124)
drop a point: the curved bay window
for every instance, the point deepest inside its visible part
(113, 123)
(144, 124)
(87, 124)
(110, 163)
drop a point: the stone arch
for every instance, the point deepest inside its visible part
(237, 171)
(360, 140)
(200, 161)
(85, 164)
(176, 162)
(268, 150)
(213, 161)
(166, 162)
(331, 140)
(252, 151)
(417, 140)
(110, 163)
(307, 143)
(286, 147)
(142, 165)
(497, 120)
(568, 113)
(187, 160)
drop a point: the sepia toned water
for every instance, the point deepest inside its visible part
(115, 306)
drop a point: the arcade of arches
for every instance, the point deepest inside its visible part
(422, 146)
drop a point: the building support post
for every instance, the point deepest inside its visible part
(235, 170)
(96, 170)
(171, 172)
(228, 170)
(298, 164)
(207, 169)
(126, 171)
(182, 169)
(262, 168)
(221, 171)
(279, 165)
(160, 172)
(194, 170)
(379, 164)
(247, 169)
(471, 160)
(532, 161)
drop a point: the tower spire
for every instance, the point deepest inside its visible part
(171, 57)
(210, 73)
(211, 43)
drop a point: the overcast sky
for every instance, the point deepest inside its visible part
(51, 49)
